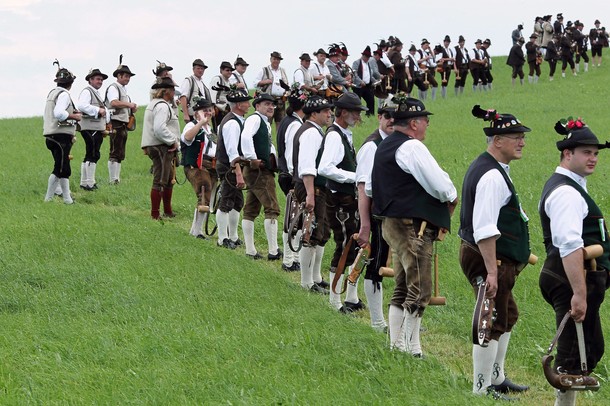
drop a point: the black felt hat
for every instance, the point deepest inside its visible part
(164, 83)
(63, 75)
(122, 68)
(408, 107)
(238, 95)
(161, 67)
(350, 101)
(226, 65)
(260, 97)
(199, 62)
(240, 61)
(95, 72)
(499, 124)
(576, 133)
(201, 103)
(316, 103)
(447, 38)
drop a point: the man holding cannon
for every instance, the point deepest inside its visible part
(495, 243)
(571, 221)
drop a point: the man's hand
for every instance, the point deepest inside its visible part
(102, 112)
(310, 203)
(579, 308)
(240, 180)
(363, 236)
(492, 286)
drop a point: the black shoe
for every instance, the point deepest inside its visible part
(238, 243)
(349, 307)
(275, 257)
(289, 268)
(201, 236)
(324, 284)
(508, 386)
(296, 266)
(499, 396)
(319, 289)
(256, 256)
(226, 243)
(87, 188)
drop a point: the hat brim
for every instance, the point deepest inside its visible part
(410, 114)
(491, 131)
(318, 108)
(103, 75)
(118, 71)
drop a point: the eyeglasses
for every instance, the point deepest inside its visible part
(514, 137)
(426, 119)
(387, 116)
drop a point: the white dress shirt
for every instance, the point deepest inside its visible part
(567, 209)
(316, 70)
(332, 156)
(209, 147)
(365, 159)
(413, 157)
(231, 137)
(84, 102)
(251, 126)
(275, 90)
(288, 140)
(492, 194)
(60, 111)
(310, 142)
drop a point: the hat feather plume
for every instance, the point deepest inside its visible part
(561, 128)
(220, 87)
(284, 85)
(485, 115)
(121, 59)
(56, 62)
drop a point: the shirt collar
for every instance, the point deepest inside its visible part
(581, 180)
(344, 130)
(383, 134)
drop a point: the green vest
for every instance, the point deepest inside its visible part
(262, 142)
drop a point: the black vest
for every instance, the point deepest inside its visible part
(319, 181)
(397, 194)
(221, 151)
(514, 240)
(281, 142)
(347, 164)
(592, 225)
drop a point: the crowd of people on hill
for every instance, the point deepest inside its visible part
(556, 42)
(391, 199)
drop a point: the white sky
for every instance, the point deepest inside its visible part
(91, 34)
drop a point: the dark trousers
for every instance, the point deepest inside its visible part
(163, 166)
(557, 292)
(445, 75)
(518, 71)
(461, 82)
(231, 198)
(552, 67)
(478, 76)
(320, 234)
(60, 146)
(473, 266)
(366, 94)
(118, 141)
(567, 60)
(93, 142)
(584, 56)
(534, 67)
(342, 214)
(379, 253)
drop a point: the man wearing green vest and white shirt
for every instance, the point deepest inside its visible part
(571, 221)
(415, 198)
(338, 166)
(495, 243)
(256, 146)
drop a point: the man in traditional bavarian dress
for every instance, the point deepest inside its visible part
(303, 75)
(462, 63)
(120, 106)
(219, 86)
(571, 221)
(285, 147)
(228, 158)
(268, 81)
(60, 117)
(414, 198)
(447, 61)
(488, 63)
(490, 216)
(370, 226)
(160, 141)
(366, 70)
(237, 77)
(338, 165)
(192, 87)
(257, 148)
(92, 126)
(198, 149)
(310, 188)
(428, 58)
(319, 71)
(341, 79)
(477, 67)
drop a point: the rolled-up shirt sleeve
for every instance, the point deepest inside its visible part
(331, 157)
(492, 193)
(566, 229)
(413, 157)
(60, 111)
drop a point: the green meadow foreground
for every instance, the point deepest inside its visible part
(101, 305)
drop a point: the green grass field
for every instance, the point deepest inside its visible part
(101, 305)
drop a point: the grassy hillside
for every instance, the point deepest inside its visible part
(100, 304)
